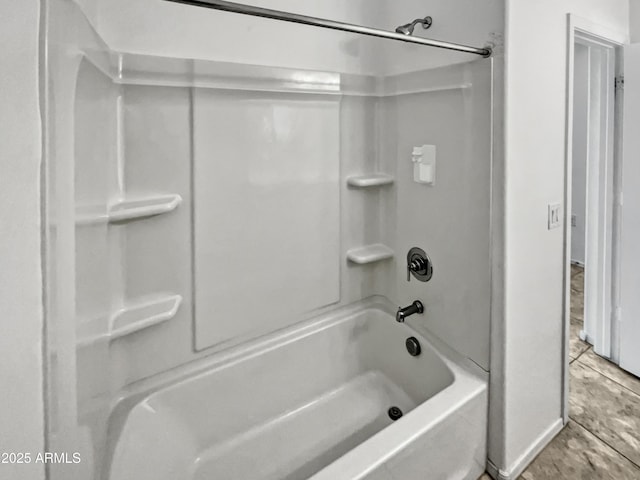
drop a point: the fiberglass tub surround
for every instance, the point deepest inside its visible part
(230, 218)
(323, 416)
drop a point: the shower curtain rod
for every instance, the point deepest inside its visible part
(331, 24)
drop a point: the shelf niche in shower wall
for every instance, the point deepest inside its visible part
(130, 319)
(367, 181)
(369, 254)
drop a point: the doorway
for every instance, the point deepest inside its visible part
(591, 194)
(592, 184)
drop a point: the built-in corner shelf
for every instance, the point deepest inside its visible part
(143, 208)
(144, 315)
(369, 254)
(130, 319)
(127, 210)
(366, 181)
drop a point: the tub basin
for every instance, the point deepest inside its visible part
(313, 401)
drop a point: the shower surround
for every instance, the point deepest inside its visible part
(208, 218)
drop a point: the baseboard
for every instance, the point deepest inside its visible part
(492, 470)
(527, 457)
(578, 263)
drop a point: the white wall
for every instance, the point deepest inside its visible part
(580, 139)
(634, 20)
(529, 401)
(21, 406)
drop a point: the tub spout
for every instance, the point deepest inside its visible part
(403, 313)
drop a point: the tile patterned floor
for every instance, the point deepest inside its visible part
(602, 439)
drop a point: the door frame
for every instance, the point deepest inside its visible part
(604, 246)
(629, 327)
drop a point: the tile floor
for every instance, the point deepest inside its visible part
(602, 439)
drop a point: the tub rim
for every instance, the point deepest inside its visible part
(468, 378)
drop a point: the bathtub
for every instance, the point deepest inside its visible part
(313, 402)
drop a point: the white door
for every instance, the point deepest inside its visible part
(630, 239)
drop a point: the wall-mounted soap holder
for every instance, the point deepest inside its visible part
(424, 164)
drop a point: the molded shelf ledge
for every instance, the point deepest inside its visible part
(138, 317)
(130, 319)
(369, 254)
(375, 180)
(142, 208)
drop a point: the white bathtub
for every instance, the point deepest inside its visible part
(312, 402)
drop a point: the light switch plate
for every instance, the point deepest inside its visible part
(554, 215)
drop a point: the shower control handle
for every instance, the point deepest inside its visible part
(419, 265)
